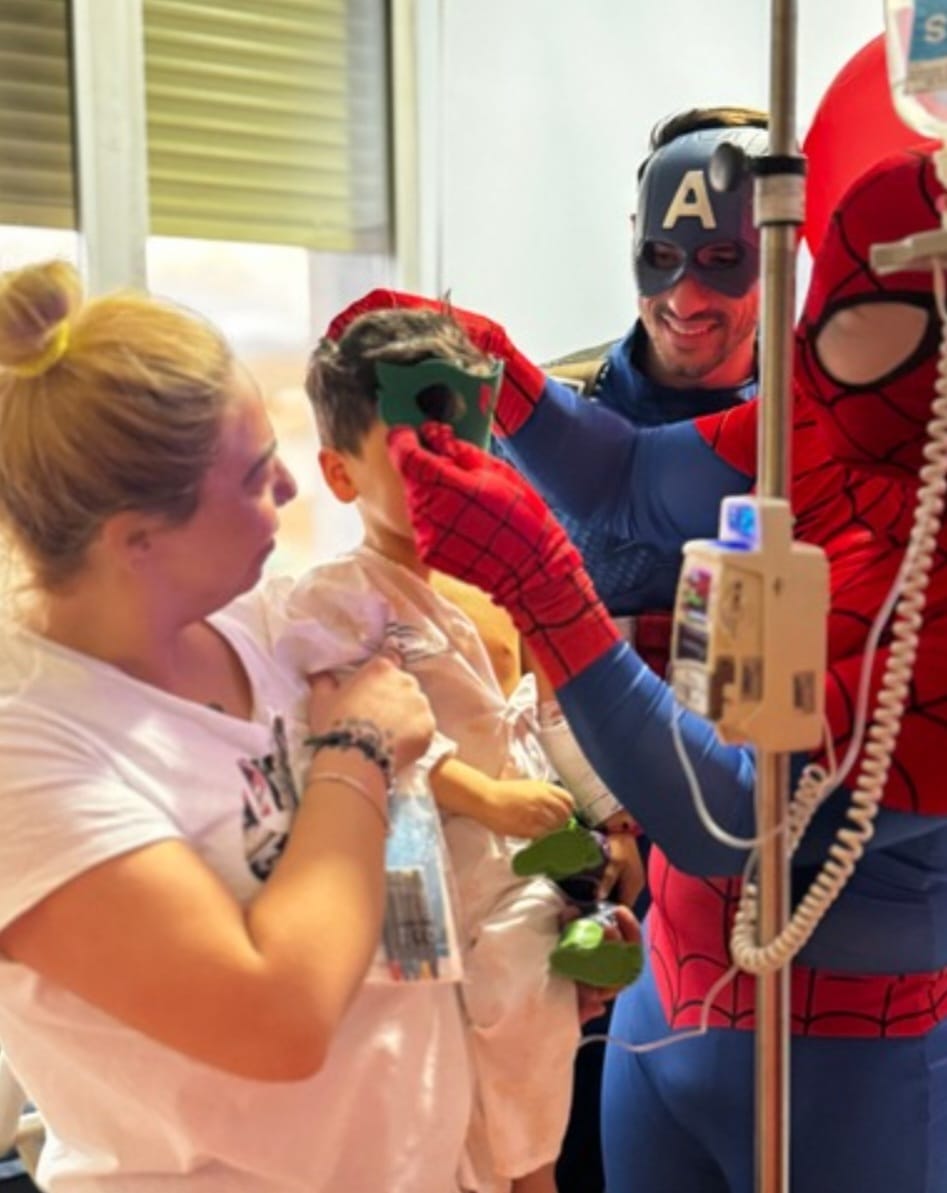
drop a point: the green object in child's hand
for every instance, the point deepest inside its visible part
(584, 955)
(572, 849)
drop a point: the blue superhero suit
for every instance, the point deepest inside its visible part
(633, 576)
(869, 991)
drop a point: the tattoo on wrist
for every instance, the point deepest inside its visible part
(366, 737)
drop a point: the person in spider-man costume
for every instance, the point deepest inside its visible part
(869, 991)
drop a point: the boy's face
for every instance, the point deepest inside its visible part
(371, 479)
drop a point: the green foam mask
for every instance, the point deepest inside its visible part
(435, 390)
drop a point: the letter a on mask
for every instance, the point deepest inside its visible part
(691, 201)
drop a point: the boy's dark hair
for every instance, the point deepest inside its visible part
(341, 381)
(694, 120)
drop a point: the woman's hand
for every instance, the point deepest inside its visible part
(380, 698)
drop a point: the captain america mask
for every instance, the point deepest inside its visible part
(685, 227)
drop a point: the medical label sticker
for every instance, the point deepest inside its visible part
(419, 938)
(927, 55)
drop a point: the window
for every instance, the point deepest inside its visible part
(268, 183)
(267, 120)
(36, 160)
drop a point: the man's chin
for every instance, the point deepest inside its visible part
(687, 371)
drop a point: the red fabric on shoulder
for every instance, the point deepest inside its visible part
(826, 497)
(861, 578)
(732, 435)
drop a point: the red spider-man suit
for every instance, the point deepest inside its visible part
(869, 1061)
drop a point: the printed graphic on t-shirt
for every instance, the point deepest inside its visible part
(270, 800)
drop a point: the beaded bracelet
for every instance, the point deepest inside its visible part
(364, 736)
(334, 776)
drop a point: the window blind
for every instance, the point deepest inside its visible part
(36, 158)
(267, 120)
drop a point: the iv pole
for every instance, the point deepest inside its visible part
(779, 189)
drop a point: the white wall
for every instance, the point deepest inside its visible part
(534, 116)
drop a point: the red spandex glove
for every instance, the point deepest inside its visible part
(477, 519)
(523, 382)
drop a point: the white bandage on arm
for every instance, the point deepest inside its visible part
(593, 799)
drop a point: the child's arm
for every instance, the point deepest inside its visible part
(624, 874)
(596, 804)
(511, 807)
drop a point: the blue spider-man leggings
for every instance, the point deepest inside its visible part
(681, 1120)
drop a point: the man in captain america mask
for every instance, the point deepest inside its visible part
(692, 350)
(696, 259)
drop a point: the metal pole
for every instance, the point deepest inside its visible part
(777, 311)
(772, 990)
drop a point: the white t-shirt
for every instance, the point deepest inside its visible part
(95, 764)
(523, 1021)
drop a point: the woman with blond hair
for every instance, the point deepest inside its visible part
(190, 901)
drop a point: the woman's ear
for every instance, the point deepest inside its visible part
(129, 537)
(336, 474)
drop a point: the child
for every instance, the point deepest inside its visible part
(523, 1022)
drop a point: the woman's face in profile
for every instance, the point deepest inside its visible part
(220, 551)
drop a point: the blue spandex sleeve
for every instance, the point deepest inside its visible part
(662, 485)
(621, 714)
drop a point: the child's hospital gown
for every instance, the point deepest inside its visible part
(523, 1022)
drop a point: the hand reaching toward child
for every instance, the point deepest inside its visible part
(478, 519)
(624, 877)
(523, 382)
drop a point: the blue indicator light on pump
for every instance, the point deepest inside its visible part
(743, 527)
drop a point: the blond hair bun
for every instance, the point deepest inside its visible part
(36, 305)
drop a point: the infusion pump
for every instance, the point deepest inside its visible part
(749, 644)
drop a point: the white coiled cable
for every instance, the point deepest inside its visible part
(852, 838)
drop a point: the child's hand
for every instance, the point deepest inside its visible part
(525, 807)
(593, 1000)
(624, 873)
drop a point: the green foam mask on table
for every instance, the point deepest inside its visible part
(439, 391)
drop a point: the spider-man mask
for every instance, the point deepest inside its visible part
(866, 345)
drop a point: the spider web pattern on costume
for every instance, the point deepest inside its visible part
(689, 930)
(487, 527)
(826, 497)
(692, 916)
(914, 783)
